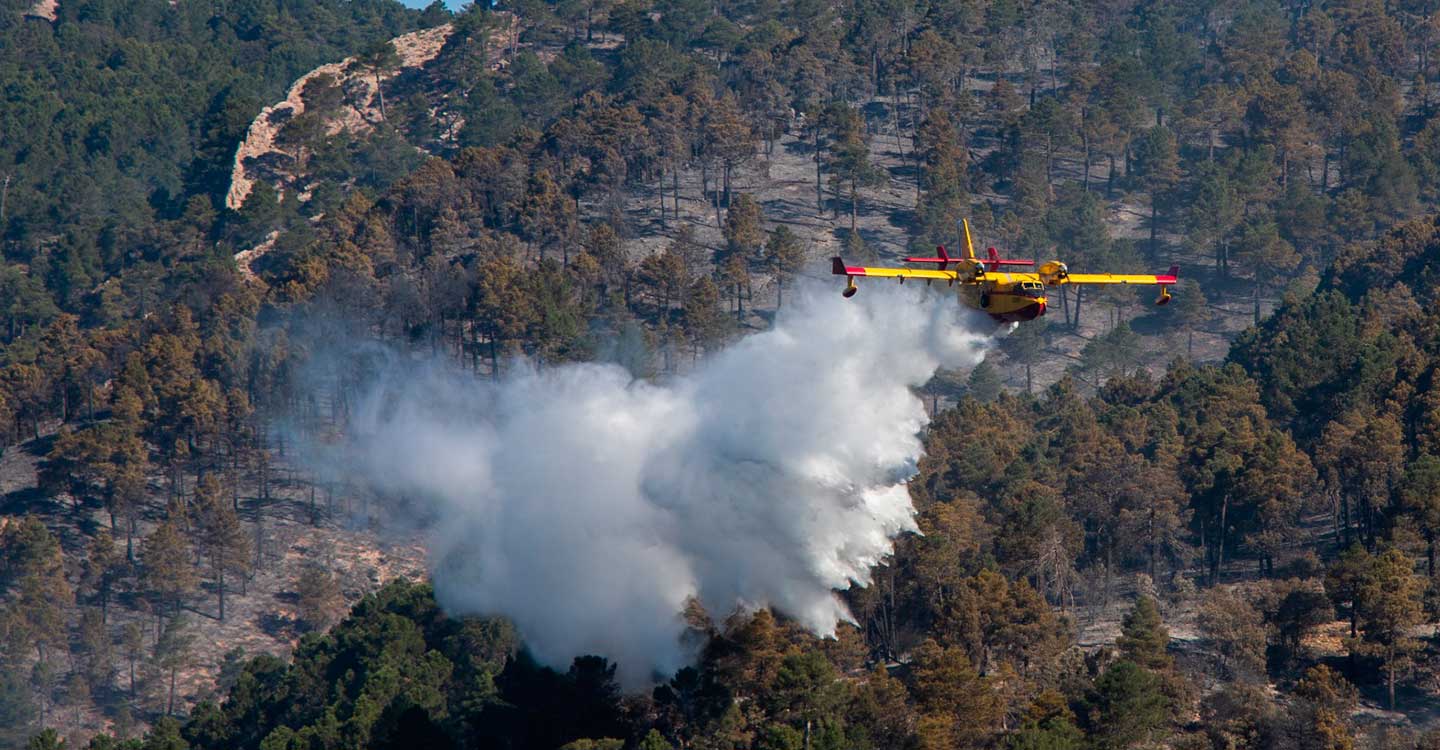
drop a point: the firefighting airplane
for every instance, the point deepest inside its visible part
(1007, 297)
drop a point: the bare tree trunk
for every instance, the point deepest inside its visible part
(1154, 226)
(4, 197)
(819, 187)
(1390, 676)
(854, 205)
(1220, 541)
(380, 93)
(675, 188)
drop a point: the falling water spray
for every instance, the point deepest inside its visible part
(588, 506)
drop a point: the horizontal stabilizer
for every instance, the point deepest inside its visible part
(942, 258)
(993, 260)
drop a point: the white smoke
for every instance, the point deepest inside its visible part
(587, 506)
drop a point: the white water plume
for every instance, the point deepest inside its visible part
(588, 506)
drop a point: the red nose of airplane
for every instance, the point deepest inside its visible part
(1041, 303)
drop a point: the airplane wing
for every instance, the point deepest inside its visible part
(839, 268)
(1141, 279)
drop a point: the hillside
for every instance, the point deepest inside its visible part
(778, 178)
(1134, 477)
(217, 275)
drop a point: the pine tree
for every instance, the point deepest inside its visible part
(47, 739)
(852, 169)
(654, 741)
(735, 275)
(1126, 706)
(705, 324)
(173, 653)
(45, 676)
(1048, 724)
(37, 608)
(962, 706)
(1237, 629)
(984, 384)
(1025, 345)
(1344, 580)
(548, 216)
(1157, 164)
(1144, 637)
(223, 538)
(379, 57)
(103, 565)
(1324, 702)
(785, 256)
(1190, 310)
(725, 138)
(132, 642)
(318, 598)
(166, 570)
(944, 196)
(1389, 600)
(744, 227)
(96, 649)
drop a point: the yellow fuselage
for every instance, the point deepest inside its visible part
(1007, 301)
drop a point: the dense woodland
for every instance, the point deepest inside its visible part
(1289, 492)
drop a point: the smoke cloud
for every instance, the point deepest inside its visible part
(588, 506)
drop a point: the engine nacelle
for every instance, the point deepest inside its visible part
(1053, 272)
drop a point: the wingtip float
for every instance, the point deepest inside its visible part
(1006, 296)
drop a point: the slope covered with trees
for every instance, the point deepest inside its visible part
(1277, 506)
(1035, 511)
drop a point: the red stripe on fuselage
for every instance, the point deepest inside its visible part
(1028, 312)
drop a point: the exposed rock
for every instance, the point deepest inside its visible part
(258, 152)
(244, 258)
(46, 9)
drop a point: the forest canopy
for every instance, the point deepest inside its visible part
(1225, 551)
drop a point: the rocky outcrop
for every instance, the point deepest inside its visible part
(259, 148)
(46, 9)
(261, 157)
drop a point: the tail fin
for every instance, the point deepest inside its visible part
(969, 246)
